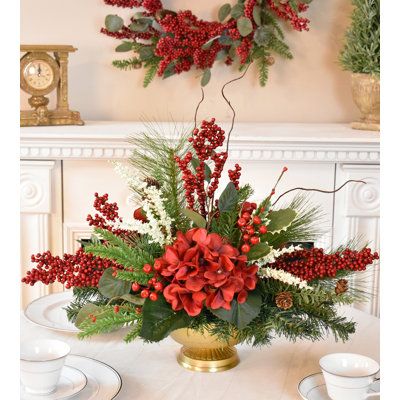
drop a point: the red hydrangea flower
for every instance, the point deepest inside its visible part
(203, 269)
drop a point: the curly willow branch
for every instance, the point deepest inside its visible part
(197, 108)
(318, 190)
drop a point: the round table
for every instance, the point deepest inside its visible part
(150, 371)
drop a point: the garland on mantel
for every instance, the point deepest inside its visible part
(166, 42)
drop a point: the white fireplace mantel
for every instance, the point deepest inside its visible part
(249, 141)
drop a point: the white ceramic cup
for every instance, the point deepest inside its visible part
(348, 376)
(41, 364)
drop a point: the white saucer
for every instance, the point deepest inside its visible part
(48, 311)
(313, 387)
(72, 381)
(104, 382)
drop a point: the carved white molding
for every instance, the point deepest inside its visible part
(73, 233)
(249, 141)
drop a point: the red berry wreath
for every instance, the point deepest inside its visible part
(166, 42)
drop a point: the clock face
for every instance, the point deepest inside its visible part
(38, 74)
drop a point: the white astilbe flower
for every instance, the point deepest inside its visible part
(158, 225)
(275, 253)
(283, 276)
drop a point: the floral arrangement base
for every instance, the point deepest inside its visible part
(203, 352)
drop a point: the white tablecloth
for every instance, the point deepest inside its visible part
(150, 371)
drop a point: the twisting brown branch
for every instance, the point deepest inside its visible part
(229, 103)
(317, 190)
(197, 108)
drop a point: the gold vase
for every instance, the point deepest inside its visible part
(366, 95)
(204, 352)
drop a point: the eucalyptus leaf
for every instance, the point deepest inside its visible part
(257, 15)
(228, 198)
(262, 36)
(224, 11)
(146, 53)
(140, 25)
(258, 251)
(241, 314)
(237, 11)
(225, 40)
(280, 219)
(169, 71)
(206, 77)
(110, 287)
(114, 23)
(245, 26)
(195, 217)
(83, 314)
(124, 46)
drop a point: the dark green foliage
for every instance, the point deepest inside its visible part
(127, 64)
(361, 52)
(110, 287)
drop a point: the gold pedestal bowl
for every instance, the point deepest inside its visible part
(203, 352)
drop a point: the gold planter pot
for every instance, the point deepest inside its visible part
(204, 352)
(366, 95)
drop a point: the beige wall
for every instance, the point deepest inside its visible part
(310, 88)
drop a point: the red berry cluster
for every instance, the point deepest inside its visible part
(285, 11)
(250, 226)
(73, 270)
(153, 287)
(108, 212)
(315, 264)
(204, 141)
(234, 175)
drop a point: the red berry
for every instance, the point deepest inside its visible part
(116, 309)
(138, 215)
(158, 286)
(284, 169)
(153, 296)
(144, 293)
(246, 216)
(254, 239)
(263, 229)
(250, 230)
(246, 237)
(241, 222)
(245, 248)
(138, 309)
(147, 268)
(253, 206)
(257, 220)
(135, 286)
(93, 319)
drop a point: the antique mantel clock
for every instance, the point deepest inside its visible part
(44, 68)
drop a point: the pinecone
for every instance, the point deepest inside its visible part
(284, 300)
(270, 60)
(152, 182)
(341, 286)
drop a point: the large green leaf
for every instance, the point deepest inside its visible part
(140, 25)
(112, 287)
(257, 15)
(159, 320)
(206, 77)
(258, 251)
(228, 199)
(262, 36)
(245, 26)
(88, 308)
(195, 217)
(224, 11)
(241, 314)
(124, 46)
(237, 11)
(114, 23)
(133, 299)
(280, 219)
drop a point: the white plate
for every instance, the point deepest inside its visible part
(72, 381)
(47, 311)
(104, 382)
(313, 387)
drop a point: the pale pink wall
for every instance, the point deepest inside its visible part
(310, 88)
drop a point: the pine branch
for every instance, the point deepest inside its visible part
(280, 47)
(127, 64)
(151, 71)
(263, 70)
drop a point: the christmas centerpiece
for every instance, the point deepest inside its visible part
(204, 264)
(166, 42)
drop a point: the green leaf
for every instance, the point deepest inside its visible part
(133, 299)
(225, 40)
(257, 15)
(262, 36)
(124, 46)
(84, 312)
(206, 77)
(114, 23)
(237, 11)
(207, 170)
(112, 287)
(258, 251)
(159, 320)
(228, 199)
(195, 217)
(209, 43)
(169, 71)
(241, 314)
(280, 220)
(146, 53)
(224, 11)
(245, 26)
(140, 25)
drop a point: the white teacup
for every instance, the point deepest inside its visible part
(348, 376)
(41, 364)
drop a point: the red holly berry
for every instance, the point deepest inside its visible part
(147, 268)
(241, 222)
(135, 286)
(245, 248)
(284, 169)
(263, 229)
(246, 237)
(144, 293)
(116, 309)
(138, 309)
(246, 216)
(254, 239)
(257, 220)
(253, 206)
(250, 230)
(158, 286)
(153, 296)
(139, 215)
(93, 319)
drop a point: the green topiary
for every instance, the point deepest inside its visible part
(361, 52)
